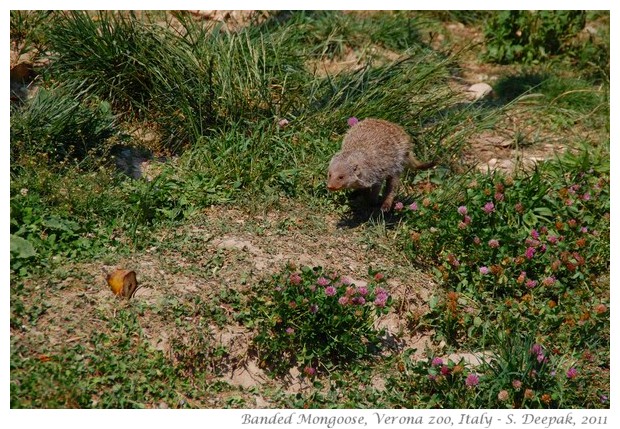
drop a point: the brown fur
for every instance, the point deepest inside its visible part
(372, 151)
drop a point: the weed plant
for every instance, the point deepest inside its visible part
(524, 374)
(318, 321)
(527, 36)
(521, 255)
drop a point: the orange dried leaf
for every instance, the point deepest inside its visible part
(122, 282)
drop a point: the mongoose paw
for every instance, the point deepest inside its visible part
(386, 206)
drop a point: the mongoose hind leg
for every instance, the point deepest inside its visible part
(373, 193)
(391, 186)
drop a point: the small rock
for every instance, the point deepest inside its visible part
(479, 90)
(473, 359)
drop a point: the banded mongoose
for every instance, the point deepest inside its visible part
(373, 150)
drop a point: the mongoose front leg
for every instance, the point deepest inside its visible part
(391, 185)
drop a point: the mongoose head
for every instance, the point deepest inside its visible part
(344, 173)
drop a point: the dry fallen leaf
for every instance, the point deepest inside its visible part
(122, 282)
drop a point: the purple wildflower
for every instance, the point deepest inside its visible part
(462, 210)
(380, 290)
(343, 300)
(290, 331)
(503, 395)
(571, 373)
(398, 206)
(548, 281)
(536, 349)
(295, 278)
(314, 308)
(309, 371)
(517, 384)
(552, 239)
(529, 253)
(472, 380)
(445, 370)
(530, 284)
(499, 196)
(476, 240)
(381, 299)
(586, 196)
(493, 243)
(282, 123)
(352, 121)
(484, 270)
(330, 291)
(413, 206)
(489, 207)
(584, 230)
(362, 290)
(322, 281)
(437, 361)
(467, 219)
(535, 234)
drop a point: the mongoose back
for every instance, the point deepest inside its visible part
(373, 150)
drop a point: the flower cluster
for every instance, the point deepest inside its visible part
(327, 316)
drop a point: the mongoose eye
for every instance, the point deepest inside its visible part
(340, 177)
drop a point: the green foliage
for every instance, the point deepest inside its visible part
(55, 125)
(530, 36)
(593, 55)
(27, 29)
(317, 321)
(334, 34)
(95, 375)
(520, 374)
(519, 254)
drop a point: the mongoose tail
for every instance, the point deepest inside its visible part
(415, 164)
